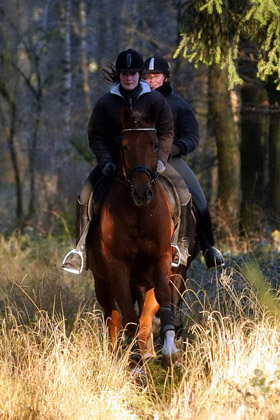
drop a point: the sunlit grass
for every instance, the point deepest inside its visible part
(56, 361)
(48, 374)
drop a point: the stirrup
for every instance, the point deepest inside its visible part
(176, 264)
(72, 270)
(219, 254)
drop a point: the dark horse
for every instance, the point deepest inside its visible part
(131, 246)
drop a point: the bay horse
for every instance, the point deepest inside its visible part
(131, 243)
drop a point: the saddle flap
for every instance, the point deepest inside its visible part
(173, 197)
(175, 204)
(97, 195)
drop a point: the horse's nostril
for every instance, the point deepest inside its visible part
(149, 194)
(142, 196)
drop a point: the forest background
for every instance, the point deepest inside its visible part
(54, 346)
(51, 61)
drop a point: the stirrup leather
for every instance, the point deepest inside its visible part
(72, 270)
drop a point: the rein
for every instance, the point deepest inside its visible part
(139, 129)
(152, 174)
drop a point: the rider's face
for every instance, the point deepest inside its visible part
(155, 80)
(129, 79)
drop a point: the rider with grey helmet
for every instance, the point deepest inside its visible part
(186, 139)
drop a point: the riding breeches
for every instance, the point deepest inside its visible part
(180, 165)
(89, 184)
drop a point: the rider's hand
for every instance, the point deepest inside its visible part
(108, 169)
(160, 167)
(176, 150)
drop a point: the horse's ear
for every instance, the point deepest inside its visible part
(125, 115)
(152, 113)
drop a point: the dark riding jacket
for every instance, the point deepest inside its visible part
(186, 128)
(105, 129)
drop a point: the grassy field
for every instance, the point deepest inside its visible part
(55, 356)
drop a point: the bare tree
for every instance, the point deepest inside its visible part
(227, 148)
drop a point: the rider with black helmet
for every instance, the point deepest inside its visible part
(186, 138)
(104, 133)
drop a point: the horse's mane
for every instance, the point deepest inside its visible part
(131, 117)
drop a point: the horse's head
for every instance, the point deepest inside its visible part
(139, 152)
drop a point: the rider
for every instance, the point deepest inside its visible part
(104, 133)
(186, 138)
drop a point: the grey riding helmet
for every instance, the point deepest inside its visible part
(156, 64)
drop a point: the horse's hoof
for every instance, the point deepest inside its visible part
(171, 360)
(139, 376)
(149, 355)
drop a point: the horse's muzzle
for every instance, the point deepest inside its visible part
(142, 196)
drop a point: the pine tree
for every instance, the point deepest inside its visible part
(214, 32)
(212, 29)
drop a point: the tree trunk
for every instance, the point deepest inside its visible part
(86, 87)
(66, 97)
(253, 149)
(227, 140)
(274, 146)
(14, 159)
(32, 155)
(13, 153)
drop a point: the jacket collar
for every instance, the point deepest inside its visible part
(145, 88)
(165, 89)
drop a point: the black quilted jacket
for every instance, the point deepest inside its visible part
(186, 128)
(104, 128)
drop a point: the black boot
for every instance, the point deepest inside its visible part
(77, 261)
(213, 257)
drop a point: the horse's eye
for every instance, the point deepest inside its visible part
(124, 148)
(156, 147)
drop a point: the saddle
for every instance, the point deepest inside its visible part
(174, 200)
(176, 214)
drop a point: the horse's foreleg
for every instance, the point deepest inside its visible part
(178, 287)
(120, 287)
(170, 353)
(114, 325)
(161, 276)
(150, 308)
(104, 297)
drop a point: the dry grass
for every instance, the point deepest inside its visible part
(58, 368)
(48, 374)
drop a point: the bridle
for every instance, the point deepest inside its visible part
(152, 174)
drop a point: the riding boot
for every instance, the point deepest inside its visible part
(78, 256)
(212, 256)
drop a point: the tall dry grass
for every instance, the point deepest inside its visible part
(55, 368)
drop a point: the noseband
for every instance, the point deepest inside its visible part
(152, 174)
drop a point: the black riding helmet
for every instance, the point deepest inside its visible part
(129, 60)
(156, 64)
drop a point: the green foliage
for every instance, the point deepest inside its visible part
(211, 32)
(260, 381)
(266, 297)
(262, 25)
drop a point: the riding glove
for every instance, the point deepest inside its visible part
(108, 169)
(160, 167)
